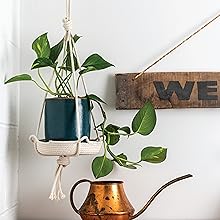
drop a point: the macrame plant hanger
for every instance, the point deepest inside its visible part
(66, 149)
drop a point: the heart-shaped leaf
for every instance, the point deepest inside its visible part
(21, 77)
(112, 138)
(112, 128)
(153, 154)
(130, 166)
(96, 98)
(76, 38)
(95, 62)
(56, 50)
(68, 64)
(126, 129)
(145, 120)
(88, 69)
(121, 160)
(41, 62)
(101, 166)
(42, 46)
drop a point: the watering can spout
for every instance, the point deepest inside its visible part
(158, 192)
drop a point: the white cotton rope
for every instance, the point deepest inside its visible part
(67, 24)
(56, 191)
(75, 91)
(85, 89)
(42, 109)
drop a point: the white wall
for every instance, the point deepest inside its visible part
(9, 63)
(130, 34)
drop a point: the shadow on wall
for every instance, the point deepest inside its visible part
(109, 93)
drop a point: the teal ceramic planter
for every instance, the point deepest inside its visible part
(60, 119)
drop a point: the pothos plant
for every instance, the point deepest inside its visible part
(48, 56)
(143, 122)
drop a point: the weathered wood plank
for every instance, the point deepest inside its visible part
(168, 90)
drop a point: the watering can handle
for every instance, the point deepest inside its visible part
(72, 191)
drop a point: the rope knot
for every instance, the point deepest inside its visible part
(67, 24)
(64, 161)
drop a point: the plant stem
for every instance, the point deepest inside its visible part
(64, 60)
(61, 83)
(43, 88)
(104, 157)
(67, 85)
(59, 78)
(122, 134)
(128, 161)
(65, 79)
(49, 90)
(119, 159)
(55, 83)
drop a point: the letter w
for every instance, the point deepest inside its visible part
(174, 86)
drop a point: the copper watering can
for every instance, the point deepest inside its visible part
(106, 200)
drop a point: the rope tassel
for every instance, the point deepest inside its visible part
(56, 191)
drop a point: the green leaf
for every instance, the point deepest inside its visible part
(126, 129)
(21, 77)
(153, 154)
(101, 166)
(103, 115)
(96, 98)
(121, 161)
(56, 50)
(112, 138)
(41, 62)
(68, 66)
(76, 38)
(42, 46)
(145, 120)
(95, 62)
(88, 69)
(129, 166)
(112, 128)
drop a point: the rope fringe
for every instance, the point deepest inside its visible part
(56, 191)
(63, 161)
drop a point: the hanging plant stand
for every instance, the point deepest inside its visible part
(71, 140)
(66, 148)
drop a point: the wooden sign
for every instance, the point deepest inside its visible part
(168, 90)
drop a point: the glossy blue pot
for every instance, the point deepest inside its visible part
(60, 119)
